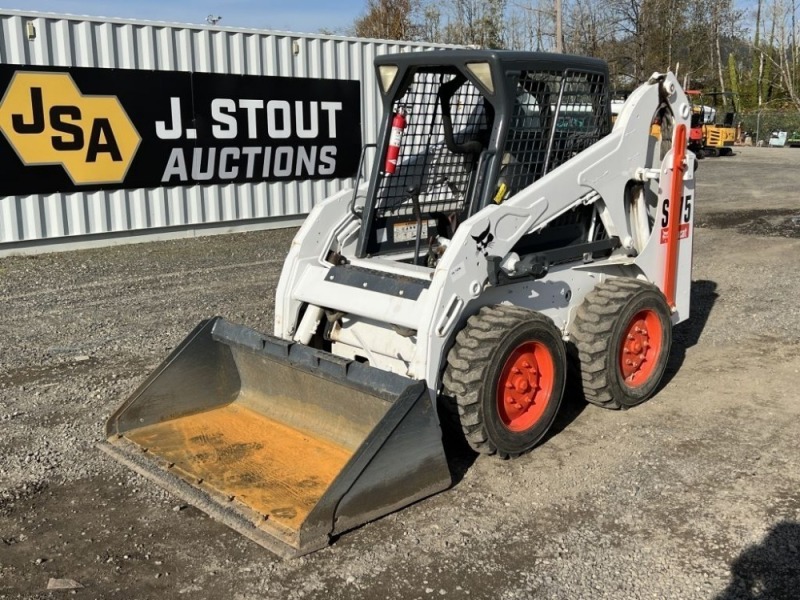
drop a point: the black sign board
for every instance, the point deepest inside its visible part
(83, 129)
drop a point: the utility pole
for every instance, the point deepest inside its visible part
(559, 34)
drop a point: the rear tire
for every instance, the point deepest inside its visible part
(622, 336)
(506, 375)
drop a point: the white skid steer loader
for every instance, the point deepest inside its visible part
(507, 239)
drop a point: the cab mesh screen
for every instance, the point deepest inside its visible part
(556, 116)
(425, 163)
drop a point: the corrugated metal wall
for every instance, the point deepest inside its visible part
(122, 44)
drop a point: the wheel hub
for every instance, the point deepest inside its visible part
(525, 386)
(521, 385)
(641, 347)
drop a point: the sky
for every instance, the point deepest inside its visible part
(307, 16)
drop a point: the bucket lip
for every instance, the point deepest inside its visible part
(277, 539)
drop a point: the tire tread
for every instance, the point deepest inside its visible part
(468, 363)
(591, 332)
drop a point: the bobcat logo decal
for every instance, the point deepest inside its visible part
(484, 241)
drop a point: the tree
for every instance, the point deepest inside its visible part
(388, 20)
(475, 23)
(431, 27)
(718, 47)
(780, 54)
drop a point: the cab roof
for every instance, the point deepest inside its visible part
(502, 60)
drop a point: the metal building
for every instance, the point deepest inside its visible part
(44, 221)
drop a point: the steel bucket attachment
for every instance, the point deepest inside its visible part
(286, 444)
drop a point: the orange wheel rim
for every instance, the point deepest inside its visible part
(641, 347)
(525, 386)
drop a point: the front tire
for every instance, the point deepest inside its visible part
(506, 375)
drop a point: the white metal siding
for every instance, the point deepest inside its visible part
(116, 43)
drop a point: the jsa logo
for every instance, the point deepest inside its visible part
(48, 121)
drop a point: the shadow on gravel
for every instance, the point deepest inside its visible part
(572, 405)
(769, 571)
(687, 334)
(770, 222)
(460, 456)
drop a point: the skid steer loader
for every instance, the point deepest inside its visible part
(507, 238)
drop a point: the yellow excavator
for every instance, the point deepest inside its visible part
(719, 135)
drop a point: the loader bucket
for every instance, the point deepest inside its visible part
(284, 443)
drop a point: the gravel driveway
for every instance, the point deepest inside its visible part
(695, 494)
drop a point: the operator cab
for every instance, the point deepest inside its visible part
(474, 128)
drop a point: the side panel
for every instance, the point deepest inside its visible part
(383, 486)
(653, 259)
(197, 375)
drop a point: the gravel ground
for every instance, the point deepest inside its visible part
(691, 495)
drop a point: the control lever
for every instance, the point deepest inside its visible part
(413, 192)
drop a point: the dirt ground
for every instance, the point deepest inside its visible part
(695, 494)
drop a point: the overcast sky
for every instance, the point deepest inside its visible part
(306, 16)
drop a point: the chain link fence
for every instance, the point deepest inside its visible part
(760, 125)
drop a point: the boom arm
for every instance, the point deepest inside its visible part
(606, 168)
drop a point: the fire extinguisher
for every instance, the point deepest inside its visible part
(393, 151)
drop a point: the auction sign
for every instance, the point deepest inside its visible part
(74, 129)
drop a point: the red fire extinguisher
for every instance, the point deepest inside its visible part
(393, 151)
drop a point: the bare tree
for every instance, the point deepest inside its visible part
(388, 20)
(717, 46)
(780, 52)
(431, 25)
(531, 25)
(589, 26)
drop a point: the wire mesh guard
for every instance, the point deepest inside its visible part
(556, 116)
(425, 163)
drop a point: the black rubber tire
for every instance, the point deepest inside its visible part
(475, 364)
(596, 334)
